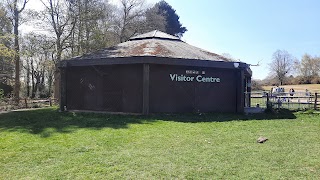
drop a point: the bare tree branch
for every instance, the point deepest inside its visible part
(281, 64)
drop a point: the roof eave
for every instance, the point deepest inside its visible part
(150, 60)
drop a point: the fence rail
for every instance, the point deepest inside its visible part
(298, 100)
(8, 104)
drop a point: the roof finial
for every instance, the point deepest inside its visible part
(155, 32)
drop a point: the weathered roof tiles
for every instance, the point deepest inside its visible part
(154, 43)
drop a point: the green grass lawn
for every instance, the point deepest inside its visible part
(46, 144)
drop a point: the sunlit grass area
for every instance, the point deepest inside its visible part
(46, 144)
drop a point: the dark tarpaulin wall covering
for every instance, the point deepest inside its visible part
(171, 96)
(114, 88)
(120, 88)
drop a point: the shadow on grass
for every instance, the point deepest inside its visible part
(282, 114)
(39, 121)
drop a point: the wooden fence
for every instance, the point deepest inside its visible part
(297, 100)
(8, 104)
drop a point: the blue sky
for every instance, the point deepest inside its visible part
(249, 30)
(252, 30)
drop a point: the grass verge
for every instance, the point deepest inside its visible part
(46, 144)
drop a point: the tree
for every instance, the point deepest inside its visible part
(38, 64)
(129, 19)
(5, 25)
(61, 17)
(256, 85)
(281, 65)
(91, 27)
(308, 67)
(6, 53)
(15, 17)
(172, 24)
(155, 20)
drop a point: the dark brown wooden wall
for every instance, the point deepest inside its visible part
(119, 88)
(171, 96)
(115, 88)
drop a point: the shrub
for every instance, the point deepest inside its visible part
(256, 85)
(1, 94)
(7, 89)
(315, 80)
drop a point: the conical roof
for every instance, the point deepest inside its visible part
(155, 43)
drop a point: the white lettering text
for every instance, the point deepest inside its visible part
(199, 78)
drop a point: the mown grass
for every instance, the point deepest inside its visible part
(46, 144)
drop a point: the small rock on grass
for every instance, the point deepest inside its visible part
(262, 139)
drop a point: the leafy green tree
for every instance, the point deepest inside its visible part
(172, 24)
(5, 25)
(6, 53)
(1, 94)
(16, 9)
(155, 20)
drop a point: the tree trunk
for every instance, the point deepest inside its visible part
(32, 80)
(87, 27)
(16, 13)
(41, 85)
(57, 72)
(17, 56)
(57, 84)
(50, 79)
(28, 79)
(37, 87)
(79, 38)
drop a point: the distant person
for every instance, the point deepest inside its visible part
(273, 91)
(307, 92)
(278, 89)
(291, 92)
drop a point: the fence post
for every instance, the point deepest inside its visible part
(267, 100)
(50, 102)
(26, 102)
(315, 101)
